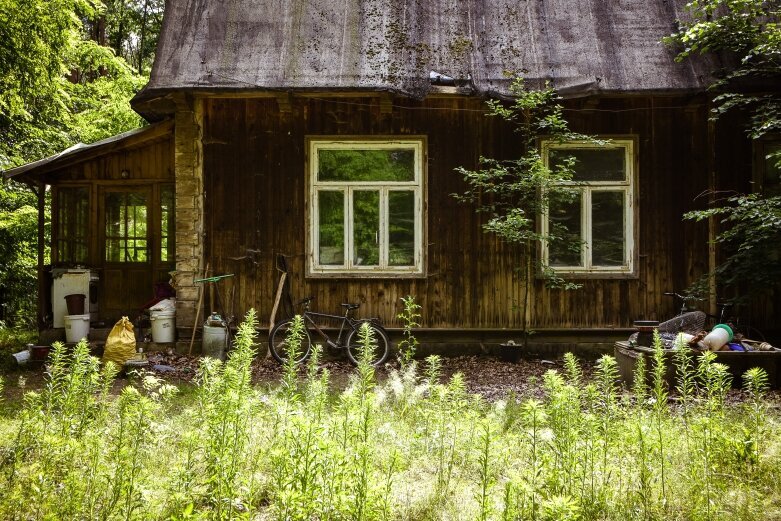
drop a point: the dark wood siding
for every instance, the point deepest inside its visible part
(255, 181)
(124, 287)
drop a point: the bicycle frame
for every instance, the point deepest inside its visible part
(345, 320)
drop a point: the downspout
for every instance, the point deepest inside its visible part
(712, 223)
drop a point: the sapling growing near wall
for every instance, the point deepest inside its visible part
(515, 193)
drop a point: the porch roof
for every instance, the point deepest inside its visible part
(581, 47)
(82, 152)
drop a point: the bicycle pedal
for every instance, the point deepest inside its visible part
(332, 344)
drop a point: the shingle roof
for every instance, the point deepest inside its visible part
(581, 46)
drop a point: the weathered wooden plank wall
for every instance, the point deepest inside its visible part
(255, 185)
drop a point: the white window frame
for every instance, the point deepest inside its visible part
(314, 186)
(587, 188)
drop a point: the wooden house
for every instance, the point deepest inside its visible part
(256, 104)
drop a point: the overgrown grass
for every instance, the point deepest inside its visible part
(414, 447)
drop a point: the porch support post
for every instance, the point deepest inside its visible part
(188, 165)
(40, 192)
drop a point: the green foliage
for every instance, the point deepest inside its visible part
(18, 249)
(749, 32)
(58, 86)
(411, 446)
(514, 193)
(750, 238)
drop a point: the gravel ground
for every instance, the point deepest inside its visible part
(487, 376)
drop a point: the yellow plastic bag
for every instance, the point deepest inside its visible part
(121, 343)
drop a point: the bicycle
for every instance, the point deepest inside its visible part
(349, 328)
(747, 331)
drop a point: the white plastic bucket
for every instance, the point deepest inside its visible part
(214, 341)
(718, 338)
(163, 326)
(22, 357)
(76, 327)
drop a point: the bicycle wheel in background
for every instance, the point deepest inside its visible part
(278, 343)
(751, 333)
(380, 347)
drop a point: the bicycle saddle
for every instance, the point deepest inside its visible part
(351, 306)
(306, 300)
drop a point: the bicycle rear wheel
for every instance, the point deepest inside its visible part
(380, 348)
(278, 343)
(751, 333)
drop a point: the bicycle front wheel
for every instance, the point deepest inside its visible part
(379, 349)
(280, 347)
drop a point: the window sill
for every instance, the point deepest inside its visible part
(368, 274)
(595, 274)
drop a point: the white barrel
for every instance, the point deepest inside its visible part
(76, 327)
(718, 337)
(163, 326)
(214, 341)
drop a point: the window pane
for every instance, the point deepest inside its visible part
(167, 223)
(401, 228)
(366, 165)
(330, 206)
(592, 164)
(565, 227)
(366, 228)
(607, 216)
(126, 227)
(73, 220)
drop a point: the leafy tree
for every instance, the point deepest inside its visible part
(513, 193)
(18, 249)
(58, 86)
(749, 32)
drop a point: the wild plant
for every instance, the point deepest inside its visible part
(572, 370)
(224, 409)
(563, 409)
(607, 384)
(660, 409)
(560, 508)
(485, 477)
(127, 453)
(535, 420)
(685, 375)
(289, 381)
(409, 318)
(639, 383)
(756, 385)
(715, 381)
(359, 506)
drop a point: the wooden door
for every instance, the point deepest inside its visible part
(126, 244)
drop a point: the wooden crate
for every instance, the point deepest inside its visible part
(737, 362)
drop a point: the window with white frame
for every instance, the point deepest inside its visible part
(595, 226)
(366, 207)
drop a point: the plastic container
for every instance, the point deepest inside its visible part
(75, 303)
(22, 357)
(682, 340)
(76, 327)
(214, 338)
(717, 338)
(163, 326)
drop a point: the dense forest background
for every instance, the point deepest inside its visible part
(68, 69)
